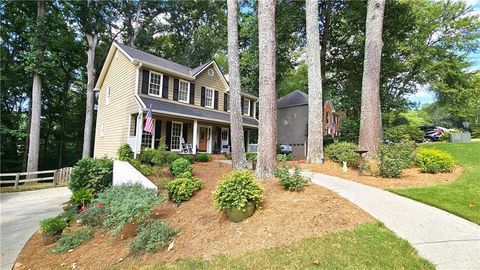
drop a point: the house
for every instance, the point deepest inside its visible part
(292, 120)
(189, 105)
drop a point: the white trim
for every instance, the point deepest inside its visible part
(124, 52)
(249, 104)
(137, 77)
(194, 139)
(149, 81)
(228, 137)
(213, 97)
(181, 136)
(188, 91)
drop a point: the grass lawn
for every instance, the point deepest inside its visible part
(24, 187)
(369, 246)
(461, 197)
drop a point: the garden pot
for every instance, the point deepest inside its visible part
(239, 214)
(49, 238)
(254, 165)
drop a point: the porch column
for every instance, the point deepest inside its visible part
(138, 134)
(248, 139)
(194, 141)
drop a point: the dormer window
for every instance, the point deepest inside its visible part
(155, 84)
(184, 91)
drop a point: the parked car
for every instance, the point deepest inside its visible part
(432, 133)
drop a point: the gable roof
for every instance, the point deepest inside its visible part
(295, 98)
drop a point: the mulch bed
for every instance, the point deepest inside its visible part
(285, 217)
(411, 177)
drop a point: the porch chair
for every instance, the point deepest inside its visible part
(186, 147)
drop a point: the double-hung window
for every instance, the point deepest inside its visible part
(155, 84)
(224, 136)
(209, 96)
(177, 128)
(184, 91)
(246, 106)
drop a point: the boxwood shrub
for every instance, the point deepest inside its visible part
(125, 152)
(236, 189)
(182, 189)
(202, 157)
(395, 157)
(434, 160)
(180, 166)
(93, 174)
(343, 151)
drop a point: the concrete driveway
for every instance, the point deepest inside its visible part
(20, 214)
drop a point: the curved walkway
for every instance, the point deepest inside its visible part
(446, 240)
(20, 214)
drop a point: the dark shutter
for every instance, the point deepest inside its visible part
(185, 132)
(165, 86)
(245, 139)
(175, 89)
(158, 130)
(219, 139)
(202, 102)
(215, 101)
(168, 135)
(145, 81)
(243, 101)
(225, 100)
(192, 93)
(251, 108)
(230, 138)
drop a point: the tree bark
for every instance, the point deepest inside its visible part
(315, 103)
(371, 134)
(36, 111)
(92, 39)
(136, 26)
(267, 137)
(236, 121)
(326, 27)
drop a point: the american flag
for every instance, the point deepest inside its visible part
(149, 123)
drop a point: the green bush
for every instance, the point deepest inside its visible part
(171, 157)
(395, 157)
(80, 198)
(350, 130)
(236, 189)
(250, 156)
(202, 157)
(151, 236)
(179, 166)
(343, 151)
(182, 189)
(125, 152)
(284, 157)
(189, 157)
(92, 174)
(119, 205)
(53, 225)
(434, 160)
(146, 170)
(289, 181)
(73, 240)
(404, 133)
(153, 157)
(327, 140)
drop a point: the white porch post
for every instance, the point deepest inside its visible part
(194, 145)
(248, 139)
(138, 134)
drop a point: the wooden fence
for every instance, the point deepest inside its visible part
(58, 177)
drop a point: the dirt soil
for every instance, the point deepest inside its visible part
(285, 217)
(410, 177)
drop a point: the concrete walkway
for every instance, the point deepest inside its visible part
(446, 240)
(20, 214)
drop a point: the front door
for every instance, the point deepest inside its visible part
(202, 142)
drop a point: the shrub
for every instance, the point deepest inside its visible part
(151, 236)
(179, 166)
(395, 157)
(250, 156)
(92, 174)
(80, 198)
(125, 152)
(284, 157)
(343, 151)
(182, 189)
(146, 170)
(289, 181)
(53, 225)
(93, 216)
(119, 205)
(327, 140)
(189, 157)
(236, 189)
(404, 133)
(202, 157)
(434, 160)
(73, 240)
(171, 157)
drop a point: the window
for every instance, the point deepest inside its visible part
(176, 135)
(209, 97)
(210, 72)
(224, 136)
(184, 91)
(107, 97)
(328, 118)
(246, 107)
(155, 85)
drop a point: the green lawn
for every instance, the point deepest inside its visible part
(461, 197)
(369, 246)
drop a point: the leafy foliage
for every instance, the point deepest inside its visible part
(434, 160)
(80, 198)
(73, 240)
(144, 169)
(250, 156)
(403, 133)
(171, 157)
(150, 156)
(395, 157)
(92, 174)
(94, 215)
(180, 166)
(292, 182)
(343, 152)
(125, 153)
(151, 236)
(202, 157)
(284, 157)
(182, 189)
(53, 225)
(236, 189)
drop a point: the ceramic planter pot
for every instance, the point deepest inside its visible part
(239, 214)
(49, 238)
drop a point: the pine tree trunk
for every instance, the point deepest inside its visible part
(267, 137)
(87, 134)
(326, 27)
(136, 26)
(315, 103)
(371, 135)
(36, 110)
(236, 121)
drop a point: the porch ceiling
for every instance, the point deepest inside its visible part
(175, 109)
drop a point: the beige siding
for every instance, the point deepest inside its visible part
(215, 82)
(114, 117)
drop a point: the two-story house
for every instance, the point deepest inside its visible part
(189, 105)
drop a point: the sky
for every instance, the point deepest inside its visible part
(423, 96)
